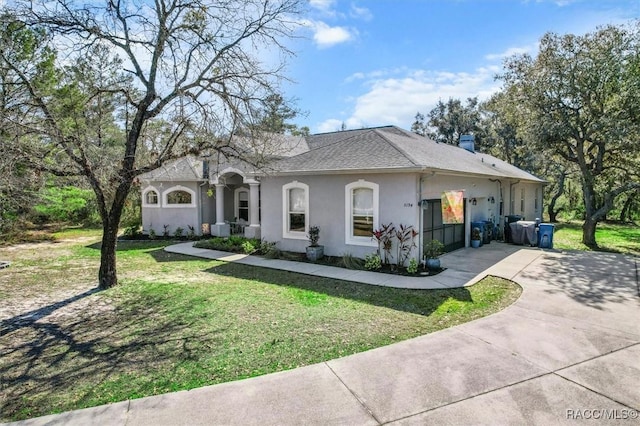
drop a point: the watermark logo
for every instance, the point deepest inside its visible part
(602, 414)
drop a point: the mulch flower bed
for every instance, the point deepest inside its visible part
(340, 263)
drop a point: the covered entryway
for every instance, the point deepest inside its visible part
(452, 236)
(242, 214)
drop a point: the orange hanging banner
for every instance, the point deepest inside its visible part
(452, 207)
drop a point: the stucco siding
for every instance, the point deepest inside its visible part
(488, 195)
(161, 215)
(398, 197)
(208, 204)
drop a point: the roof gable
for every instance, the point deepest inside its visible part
(185, 169)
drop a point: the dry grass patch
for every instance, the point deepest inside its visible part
(176, 322)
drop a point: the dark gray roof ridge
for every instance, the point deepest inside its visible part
(368, 129)
(396, 147)
(362, 132)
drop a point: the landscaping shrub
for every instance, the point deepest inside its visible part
(236, 244)
(351, 262)
(372, 262)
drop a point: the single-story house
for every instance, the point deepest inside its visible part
(348, 183)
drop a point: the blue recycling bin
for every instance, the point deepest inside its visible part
(545, 235)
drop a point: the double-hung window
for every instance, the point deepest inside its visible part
(361, 212)
(242, 204)
(295, 208)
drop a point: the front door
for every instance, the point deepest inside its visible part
(452, 236)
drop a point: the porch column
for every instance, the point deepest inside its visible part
(220, 229)
(253, 230)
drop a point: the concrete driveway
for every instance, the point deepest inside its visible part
(567, 350)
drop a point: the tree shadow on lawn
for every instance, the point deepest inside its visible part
(153, 248)
(421, 302)
(65, 345)
(591, 278)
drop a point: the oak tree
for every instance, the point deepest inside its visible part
(577, 100)
(104, 77)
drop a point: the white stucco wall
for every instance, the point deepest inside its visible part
(398, 203)
(532, 209)
(483, 189)
(157, 216)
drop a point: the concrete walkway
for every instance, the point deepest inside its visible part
(463, 267)
(568, 349)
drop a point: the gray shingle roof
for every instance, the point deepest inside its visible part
(260, 146)
(359, 150)
(378, 149)
(391, 148)
(183, 169)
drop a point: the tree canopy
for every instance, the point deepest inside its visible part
(112, 90)
(577, 101)
(446, 122)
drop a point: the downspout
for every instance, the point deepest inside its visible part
(500, 223)
(201, 205)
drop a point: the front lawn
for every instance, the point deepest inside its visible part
(177, 322)
(610, 237)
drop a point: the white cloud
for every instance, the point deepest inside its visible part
(330, 125)
(361, 13)
(532, 48)
(327, 36)
(323, 5)
(395, 100)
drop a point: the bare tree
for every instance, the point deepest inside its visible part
(105, 73)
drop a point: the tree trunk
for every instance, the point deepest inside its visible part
(551, 209)
(589, 233)
(107, 276)
(553, 214)
(625, 214)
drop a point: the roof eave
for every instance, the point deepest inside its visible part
(480, 175)
(345, 171)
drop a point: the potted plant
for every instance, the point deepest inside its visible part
(475, 237)
(432, 251)
(314, 250)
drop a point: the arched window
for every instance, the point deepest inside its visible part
(150, 198)
(295, 210)
(179, 196)
(361, 212)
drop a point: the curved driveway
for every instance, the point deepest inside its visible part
(568, 349)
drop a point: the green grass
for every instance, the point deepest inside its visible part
(176, 322)
(610, 237)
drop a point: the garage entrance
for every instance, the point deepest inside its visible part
(452, 236)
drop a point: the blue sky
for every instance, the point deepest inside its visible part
(377, 62)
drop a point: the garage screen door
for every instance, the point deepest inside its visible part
(452, 236)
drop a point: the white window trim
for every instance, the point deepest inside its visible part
(523, 205)
(236, 201)
(348, 213)
(178, 206)
(296, 235)
(144, 197)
